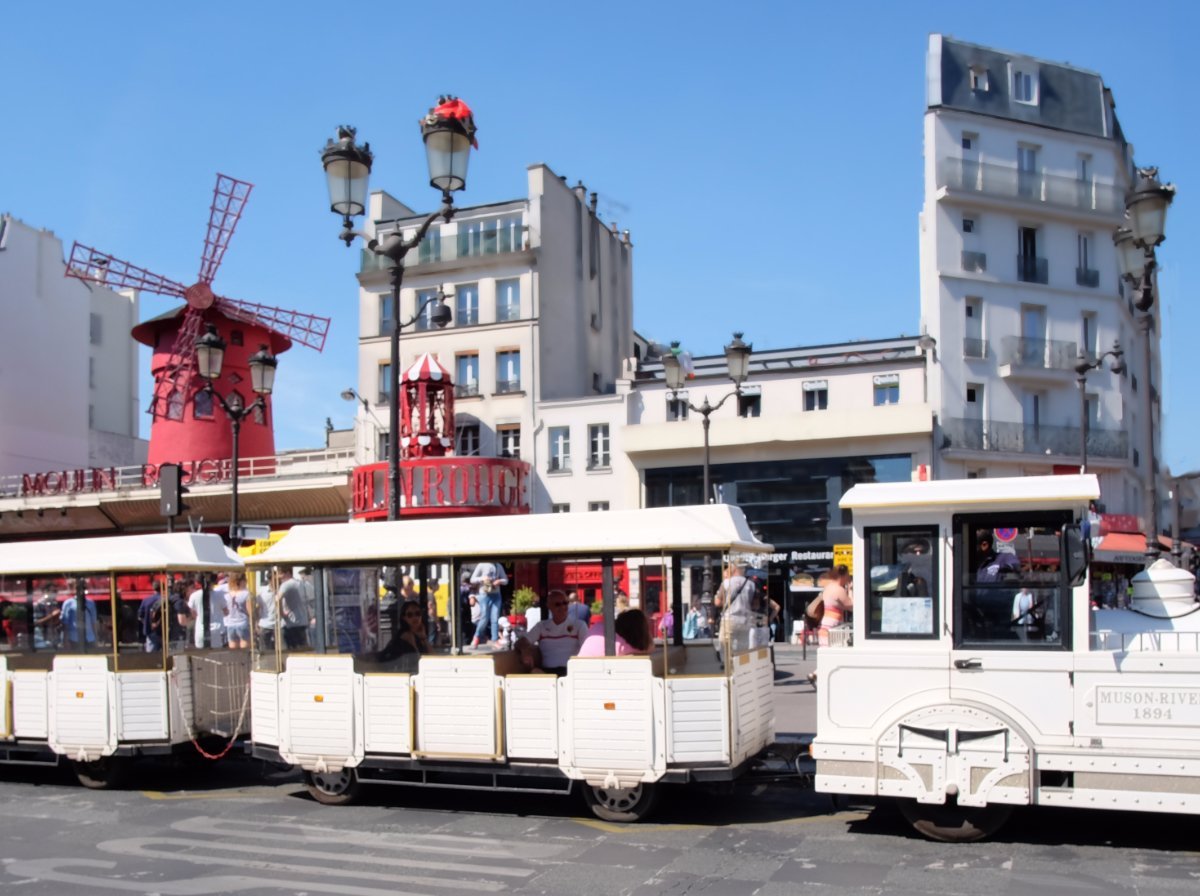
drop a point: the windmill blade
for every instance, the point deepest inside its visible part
(180, 368)
(229, 198)
(94, 266)
(307, 329)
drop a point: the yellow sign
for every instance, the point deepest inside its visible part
(843, 555)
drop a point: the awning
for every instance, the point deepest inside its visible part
(1128, 548)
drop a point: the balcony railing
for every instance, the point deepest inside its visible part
(1087, 277)
(1033, 269)
(472, 243)
(508, 312)
(974, 348)
(1018, 351)
(974, 261)
(466, 317)
(508, 386)
(466, 390)
(1033, 186)
(559, 465)
(1024, 438)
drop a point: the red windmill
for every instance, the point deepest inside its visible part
(185, 428)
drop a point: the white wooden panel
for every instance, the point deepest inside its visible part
(264, 708)
(456, 706)
(387, 712)
(31, 704)
(81, 706)
(531, 716)
(319, 710)
(698, 720)
(610, 715)
(753, 707)
(141, 706)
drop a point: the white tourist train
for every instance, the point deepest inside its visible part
(612, 727)
(977, 676)
(86, 677)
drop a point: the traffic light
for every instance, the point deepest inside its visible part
(171, 490)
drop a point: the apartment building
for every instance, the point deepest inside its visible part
(1026, 169)
(70, 396)
(541, 295)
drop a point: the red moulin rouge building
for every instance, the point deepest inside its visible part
(434, 482)
(190, 427)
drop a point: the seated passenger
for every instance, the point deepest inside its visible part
(409, 641)
(633, 636)
(549, 644)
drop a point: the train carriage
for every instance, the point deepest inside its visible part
(614, 727)
(977, 676)
(80, 684)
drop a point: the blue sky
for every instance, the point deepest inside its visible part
(765, 156)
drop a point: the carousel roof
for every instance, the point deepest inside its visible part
(426, 368)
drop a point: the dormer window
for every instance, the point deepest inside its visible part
(1025, 86)
(979, 78)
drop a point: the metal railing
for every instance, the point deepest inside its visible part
(1024, 438)
(466, 390)
(1018, 351)
(1033, 269)
(107, 480)
(1033, 186)
(974, 261)
(508, 312)
(974, 348)
(476, 243)
(508, 386)
(1087, 277)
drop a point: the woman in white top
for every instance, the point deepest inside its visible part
(237, 618)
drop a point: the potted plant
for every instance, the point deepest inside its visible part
(523, 598)
(14, 620)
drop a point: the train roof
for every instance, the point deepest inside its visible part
(970, 494)
(717, 528)
(119, 553)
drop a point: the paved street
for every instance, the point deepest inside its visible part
(241, 827)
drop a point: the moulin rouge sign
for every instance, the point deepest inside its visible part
(107, 479)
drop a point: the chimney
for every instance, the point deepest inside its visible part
(593, 203)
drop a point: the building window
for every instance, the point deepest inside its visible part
(968, 141)
(968, 225)
(560, 449)
(560, 508)
(1024, 86)
(466, 312)
(466, 440)
(508, 440)
(386, 322)
(430, 249)
(202, 405)
(596, 384)
(887, 389)
(979, 78)
(677, 407)
(175, 405)
(91, 417)
(97, 328)
(426, 302)
(385, 384)
(749, 404)
(508, 371)
(598, 446)
(382, 448)
(1089, 335)
(597, 505)
(816, 395)
(1085, 274)
(508, 300)
(91, 373)
(466, 375)
(236, 337)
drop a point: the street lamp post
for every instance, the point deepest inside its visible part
(1146, 211)
(210, 355)
(1083, 365)
(737, 360)
(449, 133)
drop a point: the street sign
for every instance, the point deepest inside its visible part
(253, 533)
(843, 555)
